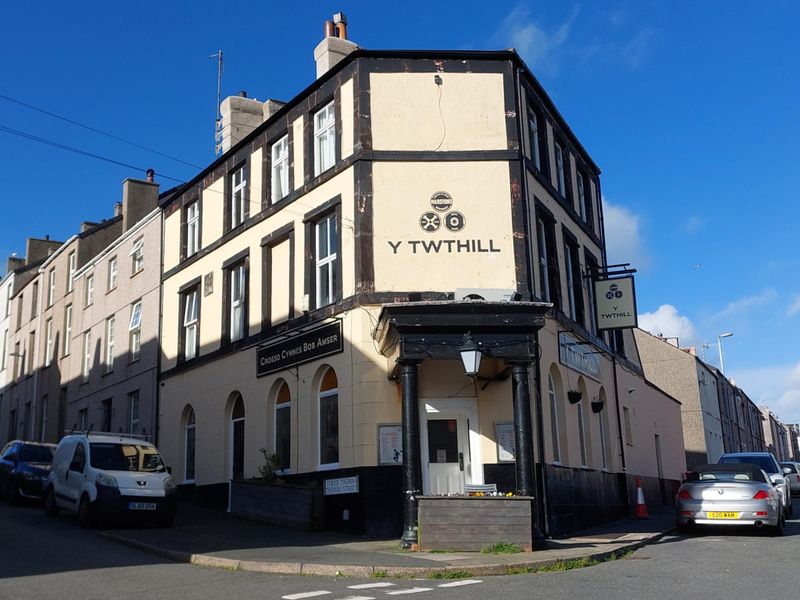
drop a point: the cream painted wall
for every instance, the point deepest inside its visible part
(410, 112)
(279, 299)
(172, 232)
(212, 212)
(297, 152)
(211, 305)
(480, 192)
(346, 92)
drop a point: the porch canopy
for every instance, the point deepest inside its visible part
(411, 332)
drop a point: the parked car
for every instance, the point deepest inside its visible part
(24, 467)
(792, 476)
(728, 495)
(769, 464)
(106, 477)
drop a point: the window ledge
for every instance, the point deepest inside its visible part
(328, 467)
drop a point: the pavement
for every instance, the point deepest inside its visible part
(215, 539)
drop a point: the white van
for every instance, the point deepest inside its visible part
(103, 477)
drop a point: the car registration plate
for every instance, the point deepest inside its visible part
(723, 515)
(141, 505)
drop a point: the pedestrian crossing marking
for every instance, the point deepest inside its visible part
(415, 590)
(369, 586)
(305, 595)
(460, 583)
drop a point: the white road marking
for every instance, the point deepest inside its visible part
(369, 586)
(305, 595)
(459, 583)
(415, 590)
(358, 598)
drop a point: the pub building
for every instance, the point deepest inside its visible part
(326, 277)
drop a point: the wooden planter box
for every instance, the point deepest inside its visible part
(290, 506)
(470, 523)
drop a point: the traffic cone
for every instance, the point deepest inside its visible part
(640, 510)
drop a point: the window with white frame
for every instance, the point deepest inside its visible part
(72, 263)
(237, 294)
(8, 301)
(112, 273)
(83, 421)
(191, 323)
(554, 431)
(89, 289)
(560, 174)
(51, 286)
(137, 256)
(31, 352)
(582, 434)
(87, 355)
(48, 342)
(533, 134)
(67, 328)
(544, 275)
(324, 139)
(135, 331)
(133, 411)
(581, 198)
(110, 323)
(35, 300)
(5, 351)
(327, 242)
(329, 420)
(283, 432)
(572, 265)
(237, 202)
(193, 228)
(189, 447)
(280, 168)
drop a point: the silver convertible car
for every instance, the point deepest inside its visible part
(729, 494)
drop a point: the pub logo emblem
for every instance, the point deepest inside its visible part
(613, 292)
(431, 221)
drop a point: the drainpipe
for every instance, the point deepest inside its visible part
(619, 433)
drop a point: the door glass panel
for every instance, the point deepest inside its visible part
(443, 441)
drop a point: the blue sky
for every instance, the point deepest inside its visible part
(690, 109)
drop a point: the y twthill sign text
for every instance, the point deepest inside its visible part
(300, 349)
(616, 303)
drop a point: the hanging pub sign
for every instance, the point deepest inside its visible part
(299, 349)
(578, 355)
(616, 303)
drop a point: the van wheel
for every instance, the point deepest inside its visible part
(50, 506)
(85, 517)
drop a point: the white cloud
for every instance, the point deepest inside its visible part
(623, 236)
(535, 45)
(667, 322)
(692, 224)
(777, 387)
(636, 50)
(746, 304)
(794, 307)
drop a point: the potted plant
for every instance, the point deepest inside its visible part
(574, 396)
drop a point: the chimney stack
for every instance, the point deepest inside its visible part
(14, 262)
(240, 116)
(138, 198)
(38, 249)
(335, 46)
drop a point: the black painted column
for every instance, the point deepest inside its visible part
(412, 465)
(523, 431)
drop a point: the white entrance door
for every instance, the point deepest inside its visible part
(450, 446)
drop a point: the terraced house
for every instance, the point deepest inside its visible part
(323, 275)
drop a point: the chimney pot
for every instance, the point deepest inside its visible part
(242, 94)
(150, 174)
(330, 29)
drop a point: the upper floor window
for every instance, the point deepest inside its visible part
(574, 285)
(89, 289)
(560, 170)
(327, 243)
(324, 139)
(110, 324)
(584, 198)
(280, 168)
(72, 263)
(548, 261)
(31, 353)
(48, 342)
(135, 331)
(192, 228)
(5, 351)
(237, 201)
(51, 286)
(8, 301)
(87, 355)
(112, 273)
(20, 302)
(190, 327)
(137, 256)
(534, 133)
(67, 328)
(591, 269)
(237, 301)
(35, 300)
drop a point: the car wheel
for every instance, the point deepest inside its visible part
(50, 506)
(777, 531)
(85, 517)
(12, 493)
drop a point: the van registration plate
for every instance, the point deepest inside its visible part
(723, 515)
(141, 505)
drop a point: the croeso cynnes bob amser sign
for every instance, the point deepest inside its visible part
(302, 348)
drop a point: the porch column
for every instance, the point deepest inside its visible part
(523, 431)
(412, 466)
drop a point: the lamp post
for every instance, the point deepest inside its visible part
(719, 345)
